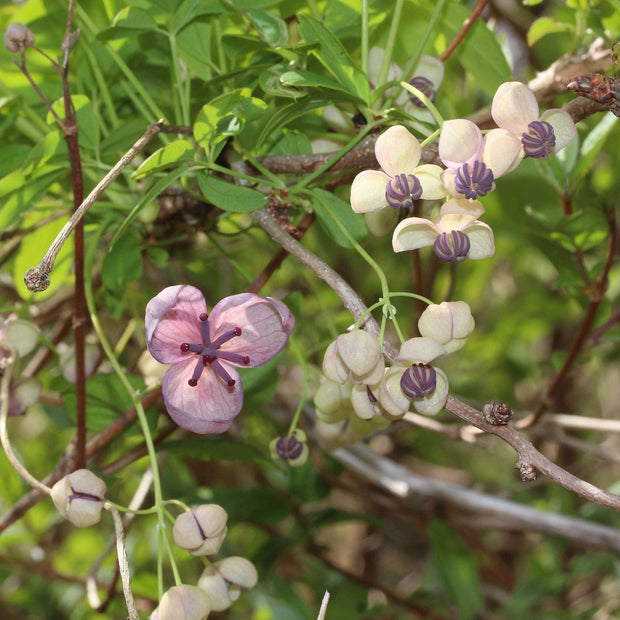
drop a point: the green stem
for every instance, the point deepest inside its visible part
(299, 354)
(365, 36)
(389, 46)
(181, 101)
(425, 100)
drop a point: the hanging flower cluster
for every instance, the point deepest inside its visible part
(472, 163)
(360, 385)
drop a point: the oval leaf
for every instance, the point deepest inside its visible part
(229, 197)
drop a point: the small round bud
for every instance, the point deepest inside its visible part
(201, 530)
(36, 280)
(449, 323)
(291, 448)
(19, 334)
(18, 37)
(79, 497)
(184, 603)
(355, 356)
(497, 414)
(224, 581)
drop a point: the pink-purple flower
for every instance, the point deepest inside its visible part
(202, 389)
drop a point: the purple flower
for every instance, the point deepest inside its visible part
(202, 389)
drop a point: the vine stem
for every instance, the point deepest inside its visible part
(7, 369)
(467, 24)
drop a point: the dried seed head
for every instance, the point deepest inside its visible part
(18, 37)
(527, 471)
(497, 414)
(36, 280)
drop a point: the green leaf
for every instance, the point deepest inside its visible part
(253, 504)
(457, 570)
(543, 26)
(173, 154)
(480, 53)
(213, 448)
(270, 28)
(123, 263)
(591, 147)
(150, 195)
(327, 207)
(133, 19)
(230, 197)
(226, 116)
(106, 399)
(309, 79)
(334, 57)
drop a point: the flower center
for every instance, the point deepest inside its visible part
(539, 141)
(424, 85)
(209, 353)
(418, 381)
(474, 181)
(452, 247)
(289, 447)
(402, 190)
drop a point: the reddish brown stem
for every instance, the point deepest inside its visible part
(467, 24)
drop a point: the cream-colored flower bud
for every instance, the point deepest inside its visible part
(354, 356)
(68, 363)
(331, 402)
(79, 497)
(224, 581)
(449, 323)
(184, 603)
(20, 335)
(364, 402)
(25, 393)
(201, 530)
(17, 37)
(390, 395)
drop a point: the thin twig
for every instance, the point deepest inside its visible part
(467, 24)
(37, 278)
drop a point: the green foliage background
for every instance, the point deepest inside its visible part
(253, 76)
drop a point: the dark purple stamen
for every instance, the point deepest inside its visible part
(474, 181)
(209, 353)
(289, 447)
(402, 190)
(539, 141)
(426, 87)
(452, 247)
(418, 381)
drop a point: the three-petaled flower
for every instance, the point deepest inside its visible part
(202, 389)
(401, 180)
(521, 130)
(456, 233)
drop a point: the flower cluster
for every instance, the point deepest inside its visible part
(471, 165)
(201, 531)
(360, 385)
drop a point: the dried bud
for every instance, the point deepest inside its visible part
(497, 414)
(36, 280)
(201, 530)
(527, 471)
(224, 581)
(18, 37)
(79, 497)
(291, 448)
(184, 603)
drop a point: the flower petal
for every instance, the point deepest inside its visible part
(447, 222)
(368, 191)
(514, 107)
(429, 176)
(460, 141)
(397, 151)
(413, 233)
(563, 127)
(502, 152)
(434, 403)
(462, 205)
(419, 350)
(431, 68)
(210, 406)
(265, 323)
(481, 239)
(172, 317)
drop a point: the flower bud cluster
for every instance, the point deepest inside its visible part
(360, 392)
(201, 531)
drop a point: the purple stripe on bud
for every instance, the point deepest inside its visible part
(418, 381)
(402, 190)
(452, 247)
(539, 141)
(289, 447)
(424, 85)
